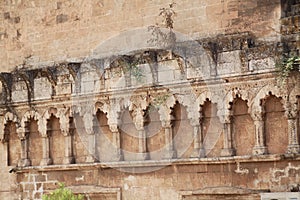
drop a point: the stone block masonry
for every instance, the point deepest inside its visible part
(110, 99)
(37, 32)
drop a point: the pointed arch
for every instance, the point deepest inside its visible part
(32, 114)
(264, 92)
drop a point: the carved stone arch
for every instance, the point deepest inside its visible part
(30, 114)
(233, 94)
(188, 101)
(33, 115)
(63, 114)
(256, 104)
(9, 116)
(111, 114)
(44, 120)
(26, 139)
(51, 111)
(266, 125)
(203, 97)
(165, 110)
(103, 106)
(215, 98)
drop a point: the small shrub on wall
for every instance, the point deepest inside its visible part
(62, 193)
(287, 66)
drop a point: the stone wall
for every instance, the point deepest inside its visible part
(35, 32)
(95, 95)
(231, 179)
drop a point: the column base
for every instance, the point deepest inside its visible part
(293, 149)
(143, 156)
(24, 163)
(69, 160)
(46, 161)
(117, 156)
(170, 155)
(259, 150)
(198, 153)
(90, 159)
(227, 152)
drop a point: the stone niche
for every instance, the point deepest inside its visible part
(42, 88)
(65, 82)
(19, 91)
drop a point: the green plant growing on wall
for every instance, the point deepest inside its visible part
(160, 37)
(133, 69)
(62, 193)
(168, 15)
(287, 65)
(157, 102)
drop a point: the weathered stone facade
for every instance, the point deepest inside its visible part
(192, 111)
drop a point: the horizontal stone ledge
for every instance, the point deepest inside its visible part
(159, 163)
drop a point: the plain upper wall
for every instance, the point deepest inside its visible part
(38, 31)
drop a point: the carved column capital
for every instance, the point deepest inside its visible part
(138, 118)
(166, 124)
(225, 116)
(65, 125)
(114, 128)
(225, 119)
(195, 122)
(22, 133)
(291, 111)
(88, 120)
(258, 116)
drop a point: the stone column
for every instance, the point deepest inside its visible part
(91, 137)
(199, 151)
(68, 132)
(228, 149)
(142, 154)
(259, 123)
(4, 140)
(46, 149)
(24, 136)
(170, 152)
(116, 142)
(293, 120)
(88, 119)
(69, 158)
